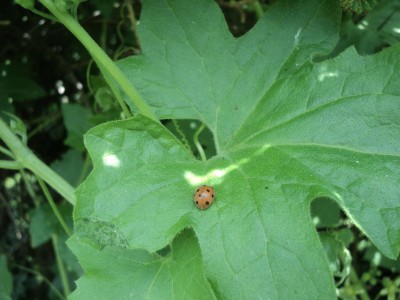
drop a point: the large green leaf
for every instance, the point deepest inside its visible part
(205, 73)
(286, 130)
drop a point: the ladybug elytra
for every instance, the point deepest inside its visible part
(204, 196)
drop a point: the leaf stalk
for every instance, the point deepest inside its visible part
(101, 58)
(24, 156)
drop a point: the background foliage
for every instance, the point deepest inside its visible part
(62, 98)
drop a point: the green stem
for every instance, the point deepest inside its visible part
(54, 206)
(354, 277)
(104, 31)
(28, 160)
(6, 152)
(108, 78)
(258, 9)
(115, 91)
(131, 16)
(10, 165)
(44, 123)
(178, 129)
(88, 82)
(197, 143)
(42, 14)
(61, 268)
(28, 186)
(101, 58)
(39, 275)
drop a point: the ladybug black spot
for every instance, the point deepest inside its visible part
(207, 202)
(197, 202)
(212, 196)
(208, 190)
(198, 190)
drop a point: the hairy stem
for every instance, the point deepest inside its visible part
(198, 144)
(258, 9)
(10, 165)
(45, 280)
(53, 206)
(61, 268)
(24, 156)
(100, 57)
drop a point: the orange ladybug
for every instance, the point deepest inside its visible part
(204, 196)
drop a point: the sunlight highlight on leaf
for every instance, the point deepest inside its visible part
(111, 160)
(213, 176)
(324, 73)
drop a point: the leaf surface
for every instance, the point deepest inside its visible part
(136, 274)
(207, 74)
(287, 130)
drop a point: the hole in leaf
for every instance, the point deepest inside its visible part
(164, 251)
(325, 212)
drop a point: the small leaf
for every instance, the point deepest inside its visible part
(6, 280)
(43, 223)
(28, 4)
(17, 126)
(77, 122)
(339, 257)
(69, 166)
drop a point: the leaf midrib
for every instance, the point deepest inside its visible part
(305, 114)
(302, 144)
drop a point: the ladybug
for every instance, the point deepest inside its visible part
(204, 196)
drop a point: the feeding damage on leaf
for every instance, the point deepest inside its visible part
(104, 233)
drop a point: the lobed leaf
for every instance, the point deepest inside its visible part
(287, 130)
